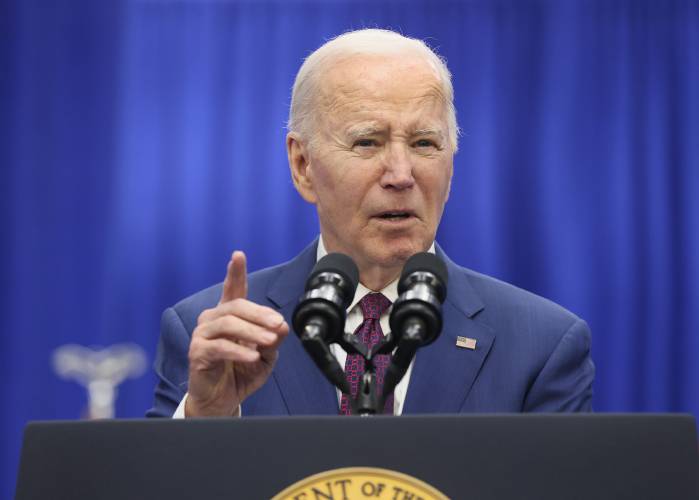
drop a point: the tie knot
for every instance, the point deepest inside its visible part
(374, 305)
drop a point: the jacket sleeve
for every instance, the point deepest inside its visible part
(171, 365)
(565, 382)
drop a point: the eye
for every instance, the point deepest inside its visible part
(425, 143)
(364, 143)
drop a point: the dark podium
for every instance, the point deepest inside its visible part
(481, 457)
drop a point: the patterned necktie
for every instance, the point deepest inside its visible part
(373, 305)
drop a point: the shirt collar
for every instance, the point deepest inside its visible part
(390, 291)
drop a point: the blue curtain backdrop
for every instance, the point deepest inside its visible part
(143, 141)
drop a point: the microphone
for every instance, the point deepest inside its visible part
(416, 317)
(421, 290)
(319, 317)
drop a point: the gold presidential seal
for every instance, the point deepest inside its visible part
(350, 483)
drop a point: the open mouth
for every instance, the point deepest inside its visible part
(397, 215)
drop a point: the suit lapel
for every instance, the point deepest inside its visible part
(443, 373)
(304, 388)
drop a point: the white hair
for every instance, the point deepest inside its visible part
(365, 42)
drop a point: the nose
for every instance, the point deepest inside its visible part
(398, 168)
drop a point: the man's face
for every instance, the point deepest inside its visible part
(380, 163)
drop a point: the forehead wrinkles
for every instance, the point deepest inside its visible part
(349, 100)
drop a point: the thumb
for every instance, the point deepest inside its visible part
(235, 286)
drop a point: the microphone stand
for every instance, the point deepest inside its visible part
(410, 341)
(368, 401)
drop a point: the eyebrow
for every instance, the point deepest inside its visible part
(428, 131)
(363, 131)
(369, 130)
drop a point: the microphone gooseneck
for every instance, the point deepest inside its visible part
(416, 317)
(319, 317)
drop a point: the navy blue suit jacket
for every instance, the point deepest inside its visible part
(530, 355)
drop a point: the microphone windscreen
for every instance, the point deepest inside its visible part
(425, 262)
(341, 264)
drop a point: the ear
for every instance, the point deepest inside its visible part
(299, 163)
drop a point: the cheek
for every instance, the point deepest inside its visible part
(436, 189)
(344, 181)
(329, 185)
(324, 184)
(338, 195)
(329, 169)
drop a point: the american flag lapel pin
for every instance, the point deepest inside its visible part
(466, 343)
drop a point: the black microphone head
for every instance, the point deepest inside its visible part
(422, 289)
(329, 291)
(341, 264)
(424, 262)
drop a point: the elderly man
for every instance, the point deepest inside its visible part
(372, 135)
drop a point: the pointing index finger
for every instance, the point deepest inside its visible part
(235, 286)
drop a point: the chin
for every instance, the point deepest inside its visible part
(396, 253)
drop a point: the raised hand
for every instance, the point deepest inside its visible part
(233, 349)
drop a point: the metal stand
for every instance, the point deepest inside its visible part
(368, 401)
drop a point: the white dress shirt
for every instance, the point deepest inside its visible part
(355, 317)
